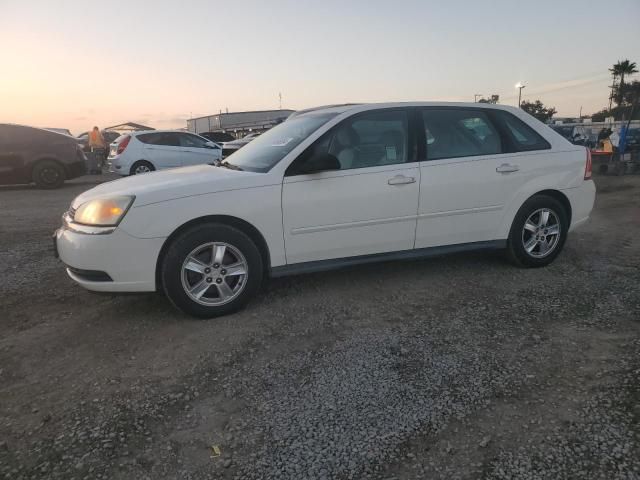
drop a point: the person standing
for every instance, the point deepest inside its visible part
(98, 148)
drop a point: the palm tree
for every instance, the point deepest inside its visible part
(620, 69)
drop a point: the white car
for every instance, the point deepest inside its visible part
(146, 151)
(331, 187)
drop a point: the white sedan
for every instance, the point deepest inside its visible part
(331, 187)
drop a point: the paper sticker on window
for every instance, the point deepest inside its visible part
(391, 153)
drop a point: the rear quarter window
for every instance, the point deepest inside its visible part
(519, 136)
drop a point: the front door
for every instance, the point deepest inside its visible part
(197, 150)
(368, 205)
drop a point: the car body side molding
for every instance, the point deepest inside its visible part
(332, 264)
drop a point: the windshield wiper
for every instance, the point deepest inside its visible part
(230, 166)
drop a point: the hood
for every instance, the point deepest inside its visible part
(166, 185)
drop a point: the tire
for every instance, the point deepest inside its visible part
(140, 167)
(536, 245)
(48, 174)
(190, 265)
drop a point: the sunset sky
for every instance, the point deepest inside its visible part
(75, 64)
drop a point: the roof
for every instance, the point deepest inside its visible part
(338, 108)
(129, 126)
(369, 106)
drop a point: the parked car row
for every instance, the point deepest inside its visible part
(329, 187)
(579, 135)
(234, 145)
(48, 157)
(575, 134)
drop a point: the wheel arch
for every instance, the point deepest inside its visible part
(247, 228)
(560, 197)
(142, 160)
(515, 206)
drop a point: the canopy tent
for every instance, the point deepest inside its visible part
(128, 127)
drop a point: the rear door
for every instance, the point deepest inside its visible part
(163, 149)
(461, 193)
(198, 150)
(475, 163)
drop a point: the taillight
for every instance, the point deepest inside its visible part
(588, 166)
(123, 144)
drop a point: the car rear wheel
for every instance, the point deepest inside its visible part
(140, 167)
(48, 174)
(539, 232)
(211, 270)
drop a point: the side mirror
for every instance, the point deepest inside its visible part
(319, 163)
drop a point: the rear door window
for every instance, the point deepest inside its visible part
(167, 139)
(458, 132)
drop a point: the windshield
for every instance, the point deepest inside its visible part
(261, 154)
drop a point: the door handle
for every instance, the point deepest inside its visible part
(401, 180)
(507, 168)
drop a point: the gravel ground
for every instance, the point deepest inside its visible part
(458, 367)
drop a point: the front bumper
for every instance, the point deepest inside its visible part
(116, 262)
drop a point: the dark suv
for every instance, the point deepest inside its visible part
(34, 155)
(218, 137)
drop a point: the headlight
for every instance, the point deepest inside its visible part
(103, 212)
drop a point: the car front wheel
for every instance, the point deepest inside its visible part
(539, 232)
(211, 270)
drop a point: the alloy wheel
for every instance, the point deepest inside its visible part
(49, 175)
(141, 169)
(541, 233)
(214, 273)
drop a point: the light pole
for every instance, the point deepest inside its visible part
(475, 97)
(520, 86)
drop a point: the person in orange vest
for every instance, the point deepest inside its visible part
(98, 147)
(96, 140)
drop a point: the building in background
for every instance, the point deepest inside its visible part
(238, 124)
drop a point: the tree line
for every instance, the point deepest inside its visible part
(623, 94)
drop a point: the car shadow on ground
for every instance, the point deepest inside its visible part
(156, 306)
(391, 270)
